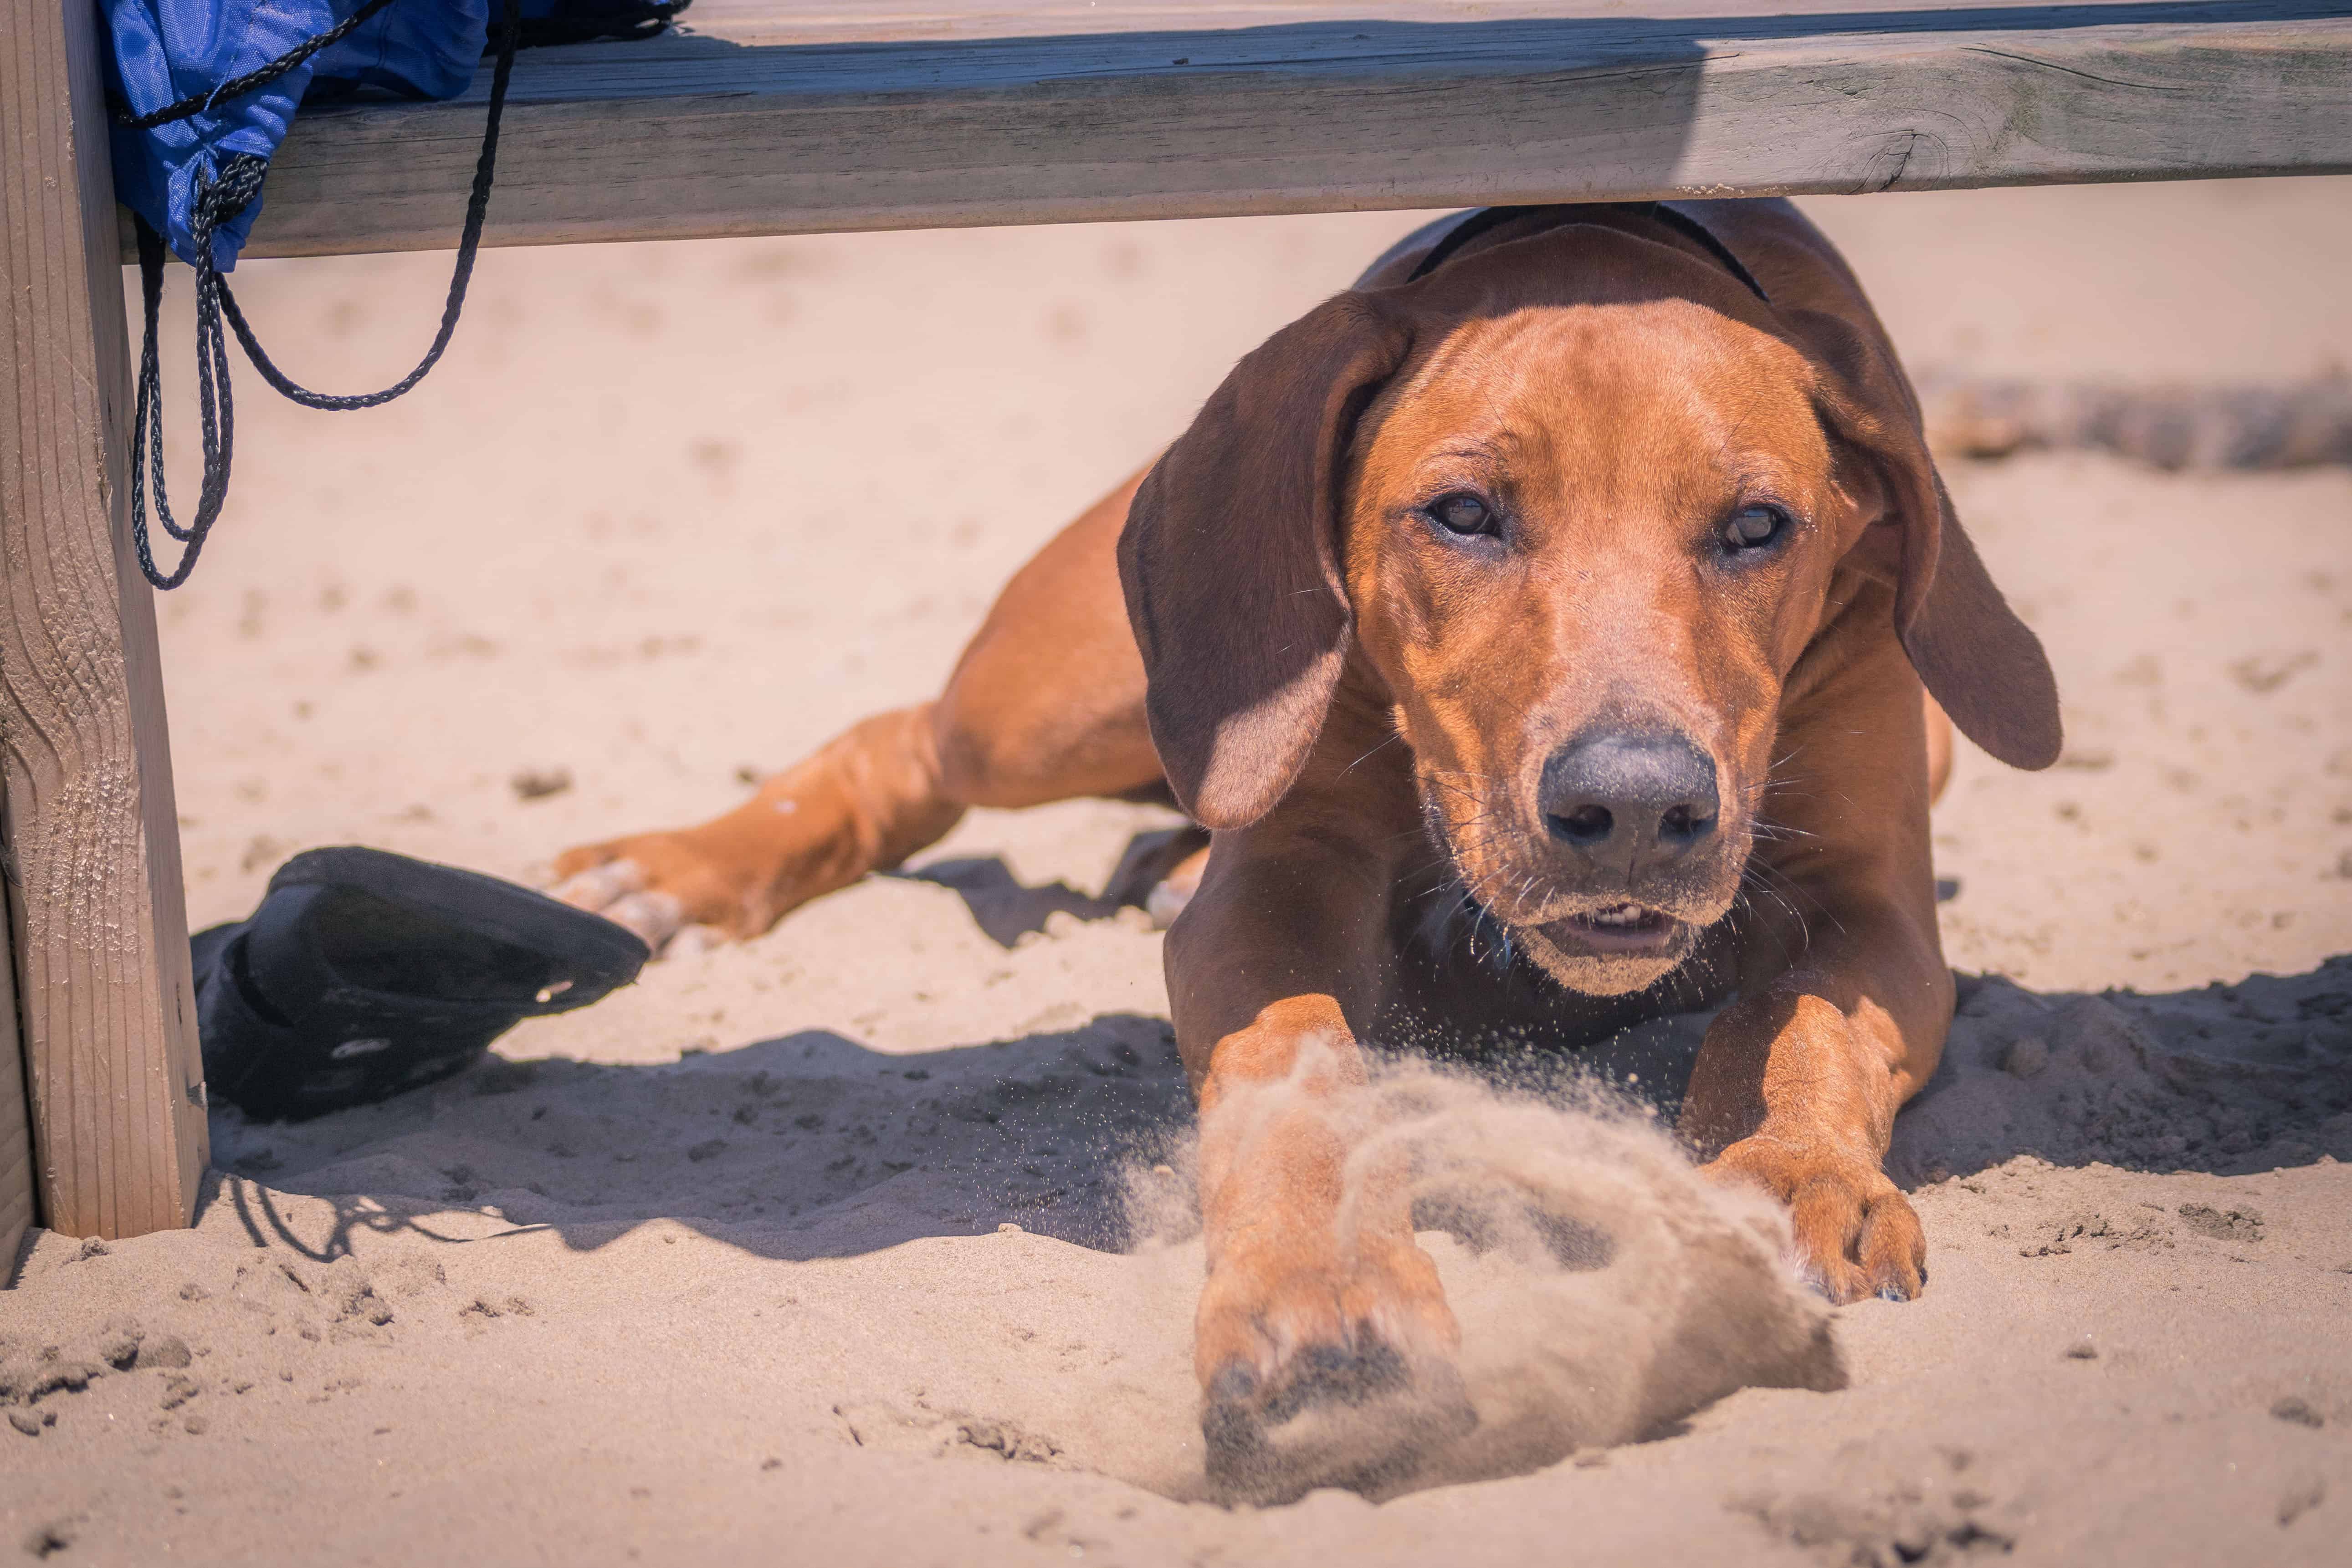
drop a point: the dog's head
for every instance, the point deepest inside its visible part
(1577, 502)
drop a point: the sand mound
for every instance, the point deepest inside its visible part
(1604, 1290)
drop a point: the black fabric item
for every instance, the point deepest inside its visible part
(588, 21)
(364, 974)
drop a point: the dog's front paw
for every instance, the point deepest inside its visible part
(674, 892)
(1857, 1233)
(1338, 1372)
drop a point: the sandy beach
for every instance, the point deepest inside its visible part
(867, 1241)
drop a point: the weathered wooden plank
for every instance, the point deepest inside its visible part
(99, 922)
(763, 118)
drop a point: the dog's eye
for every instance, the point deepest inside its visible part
(1754, 527)
(1463, 512)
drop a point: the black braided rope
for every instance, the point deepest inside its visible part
(477, 206)
(259, 77)
(219, 201)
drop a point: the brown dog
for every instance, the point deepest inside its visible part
(1570, 583)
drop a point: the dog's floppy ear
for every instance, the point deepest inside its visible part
(1981, 663)
(1230, 561)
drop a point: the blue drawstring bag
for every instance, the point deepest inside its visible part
(170, 52)
(203, 92)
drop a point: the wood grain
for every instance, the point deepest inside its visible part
(763, 118)
(99, 921)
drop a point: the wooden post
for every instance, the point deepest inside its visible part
(99, 922)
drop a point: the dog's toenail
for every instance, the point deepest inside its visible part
(1892, 1293)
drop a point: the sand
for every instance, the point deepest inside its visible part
(847, 1246)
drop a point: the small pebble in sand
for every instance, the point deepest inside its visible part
(2299, 1411)
(196, 1426)
(30, 1422)
(2083, 1350)
(538, 783)
(709, 1149)
(1008, 1228)
(2025, 1056)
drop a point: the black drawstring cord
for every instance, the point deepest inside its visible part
(215, 410)
(219, 201)
(477, 206)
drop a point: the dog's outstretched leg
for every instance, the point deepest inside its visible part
(865, 802)
(1046, 704)
(1323, 1342)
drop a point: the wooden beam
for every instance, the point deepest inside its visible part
(769, 117)
(99, 921)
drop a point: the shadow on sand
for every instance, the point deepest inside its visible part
(811, 1146)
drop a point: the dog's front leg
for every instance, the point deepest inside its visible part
(1317, 1294)
(1798, 1088)
(1844, 994)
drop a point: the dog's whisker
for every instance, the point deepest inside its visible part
(1394, 736)
(1773, 927)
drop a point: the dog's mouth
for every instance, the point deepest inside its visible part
(1617, 931)
(1602, 941)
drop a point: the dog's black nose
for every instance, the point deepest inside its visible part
(1629, 799)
